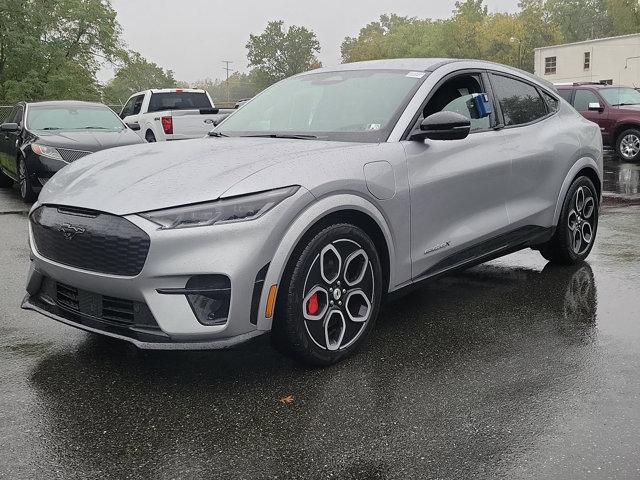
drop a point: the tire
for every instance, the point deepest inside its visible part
(578, 223)
(325, 311)
(5, 181)
(628, 145)
(25, 184)
(150, 137)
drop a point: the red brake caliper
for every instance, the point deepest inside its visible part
(312, 304)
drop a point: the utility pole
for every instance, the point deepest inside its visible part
(228, 69)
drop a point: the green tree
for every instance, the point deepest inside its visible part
(580, 20)
(278, 53)
(135, 75)
(240, 85)
(53, 48)
(624, 16)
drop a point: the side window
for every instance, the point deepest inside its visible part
(566, 94)
(520, 102)
(551, 101)
(583, 98)
(137, 105)
(128, 108)
(18, 117)
(456, 95)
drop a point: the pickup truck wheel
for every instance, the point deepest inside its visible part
(576, 231)
(150, 137)
(628, 145)
(330, 296)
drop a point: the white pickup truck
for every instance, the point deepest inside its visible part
(171, 114)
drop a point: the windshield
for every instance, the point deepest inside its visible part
(73, 118)
(621, 96)
(360, 105)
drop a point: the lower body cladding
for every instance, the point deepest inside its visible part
(199, 288)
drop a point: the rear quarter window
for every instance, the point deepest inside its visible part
(566, 94)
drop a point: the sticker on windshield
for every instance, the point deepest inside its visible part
(415, 74)
(374, 126)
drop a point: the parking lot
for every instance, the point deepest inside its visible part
(514, 369)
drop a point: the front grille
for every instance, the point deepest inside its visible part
(89, 240)
(116, 311)
(72, 155)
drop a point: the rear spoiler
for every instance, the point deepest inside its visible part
(209, 111)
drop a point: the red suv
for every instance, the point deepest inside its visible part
(615, 109)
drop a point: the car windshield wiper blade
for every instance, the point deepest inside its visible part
(623, 104)
(282, 135)
(96, 128)
(217, 134)
(51, 128)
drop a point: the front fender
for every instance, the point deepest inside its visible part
(305, 220)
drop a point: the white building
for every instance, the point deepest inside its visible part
(614, 60)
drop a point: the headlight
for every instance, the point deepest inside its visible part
(231, 210)
(45, 151)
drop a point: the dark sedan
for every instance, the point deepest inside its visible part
(38, 139)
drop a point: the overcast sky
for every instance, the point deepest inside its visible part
(193, 37)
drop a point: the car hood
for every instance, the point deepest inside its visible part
(88, 140)
(160, 175)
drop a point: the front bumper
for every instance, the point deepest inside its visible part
(242, 252)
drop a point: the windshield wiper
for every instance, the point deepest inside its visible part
(282, 135)
(216, 134)
(51, 128)
(624, 104)
(96, 128)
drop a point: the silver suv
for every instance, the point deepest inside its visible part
(307, 206)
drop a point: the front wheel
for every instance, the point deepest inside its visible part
(628, 145)
(576, 231)
(27, 193)
(330, 296)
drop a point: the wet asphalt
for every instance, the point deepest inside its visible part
(513, 369)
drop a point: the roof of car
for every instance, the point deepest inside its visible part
(66, 103)
(598, 86)
(416, 64)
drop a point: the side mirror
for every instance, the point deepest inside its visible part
(134, 126)
(443, 126)
(596, 107)
(9, 127)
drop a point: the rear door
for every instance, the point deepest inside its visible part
(530, 135)
(8, 141)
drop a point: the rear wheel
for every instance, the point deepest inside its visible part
(150, 137)
(330, 296)
(628, 145)
(24, 182)
(576, 231)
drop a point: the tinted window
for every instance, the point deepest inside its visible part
(137, 104)
(566, 94)
(128, 108)
(520, 102)
(583, 98)
(178, 101)
(551, 101)
(18, 116)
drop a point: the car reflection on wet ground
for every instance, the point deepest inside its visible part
(513, 369)
(622, 179)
